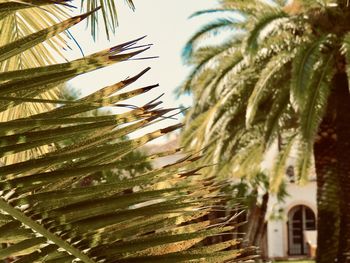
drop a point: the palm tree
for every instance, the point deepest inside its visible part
(45, 214)
(281, 76)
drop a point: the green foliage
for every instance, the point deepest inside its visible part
(46, 213)
(271, 79)
(109, 14)
(137, 160)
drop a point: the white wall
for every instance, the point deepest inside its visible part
(277, 227)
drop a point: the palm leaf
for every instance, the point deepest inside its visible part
(303, 66)
(210, 29)
(317, 94)
(48, 216)
(109, 14)
(20, 45)
(19, 20)
(280, 166)
(264, 84)
(267, 20)
(244, 88)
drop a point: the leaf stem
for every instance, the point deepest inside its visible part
(43, 231)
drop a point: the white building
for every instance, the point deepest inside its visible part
(291, 225)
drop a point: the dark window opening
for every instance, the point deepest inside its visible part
(300, 219)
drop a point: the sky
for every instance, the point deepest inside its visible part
(167, 26)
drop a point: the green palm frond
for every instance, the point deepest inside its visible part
(25, 25)
(25, 22)
(109, 14)
(260, 85)
(203, 55)
(280, 165)
(270, 20)
(26, 42)
(9, 7)
(345, 49)
(194, 126)
(204, 60)
(19, 80)
(317, 94)
(303, 68)
(247, 161)
(279, 109)
(208, 30)
(249, 7)
(47, 215)
(212, 10)
(129, 214)
(264, 85)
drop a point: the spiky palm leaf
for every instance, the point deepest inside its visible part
(20, 21)
(46, 215)
(23, 22)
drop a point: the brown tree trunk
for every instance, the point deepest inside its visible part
(328, 187)
(253, 214)
(256, 223)
(332, 157)
(343, 162)
(327, 193)
(261, 220)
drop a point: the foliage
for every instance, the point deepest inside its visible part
(268, 84)
(45, 216)
(109, 14)
(275, 84)
(137, 159)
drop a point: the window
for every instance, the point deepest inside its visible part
(300, 219)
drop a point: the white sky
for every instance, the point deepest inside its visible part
(166, 24)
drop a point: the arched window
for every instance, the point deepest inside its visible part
(300, 219)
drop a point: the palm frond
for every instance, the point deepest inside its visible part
(317, 94)
(250, 7)
(208, 30)
(265, 21)
(109, 15)
(26, 42)
(264, 84)
(20, 22)
(48, 215)
(212, 10)
(280, 165)
(303, 68)
(100, 222)
(205, 59)
(345, 49)
(278, 109)
(247, 89)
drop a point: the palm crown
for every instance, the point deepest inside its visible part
(280, 75)
(273, 75)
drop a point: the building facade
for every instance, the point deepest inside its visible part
(291, 225)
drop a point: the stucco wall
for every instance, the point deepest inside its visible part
(277, 237)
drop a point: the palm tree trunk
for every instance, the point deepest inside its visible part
(261, 220)
(253, 215)
(327, 193)
(256, 224)
(343, 162)
(332, 158)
